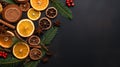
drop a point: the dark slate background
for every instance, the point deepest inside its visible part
(91, 39)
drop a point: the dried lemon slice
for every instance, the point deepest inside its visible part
(39, 5)
(25, 28)
(21, 50)
(33, 14)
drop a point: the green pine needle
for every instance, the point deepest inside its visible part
(64, 10)
(10, 61)
(49, 35)
(9, 1)
(32, 64)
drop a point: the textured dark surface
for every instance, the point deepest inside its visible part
(91, 39)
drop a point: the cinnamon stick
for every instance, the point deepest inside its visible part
(17, 35)
(7, 24)
(35, 46)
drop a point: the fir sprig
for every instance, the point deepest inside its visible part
(49, 35)
(10, 61)
(32, 64)
(9, 1)
(62, 9)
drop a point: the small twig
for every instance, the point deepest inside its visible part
(7, 24)
(35, 46)
(19, 37)
(7, 50)
(44, 47)
(27, 60)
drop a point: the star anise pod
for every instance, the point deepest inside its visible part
(38, 31)
(44, 59)
(2, 29)
(57, 23)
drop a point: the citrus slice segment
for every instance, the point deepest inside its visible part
(25, 6)
(45, 23)
(33, 14)
(6, 41)
(1, 8)
(21, 50)
(51, 12)
(39, 5)
(34, 40)
(25, 28)
(35, 54)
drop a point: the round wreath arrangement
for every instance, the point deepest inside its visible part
(25, 34)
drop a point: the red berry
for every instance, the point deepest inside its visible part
(4, 56)
(73, 4)
(67, 0)
(5, 53)
(71, 1)
(68, 5)
(0, 54)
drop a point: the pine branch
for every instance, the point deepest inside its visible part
(64, 10)
(15, 40)
(32, 64)
(10, 61)
(49, 35)
(9, 1)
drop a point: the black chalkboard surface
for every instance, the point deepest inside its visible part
(91, 38)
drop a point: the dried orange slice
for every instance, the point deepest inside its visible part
(33, 14)
(6, 41)
(25, 28)
(45, 23)
(1, 8)
(39, 5)
(35, 54)
(51, 12)
(21, 50)
(25, 6)
(33, 40)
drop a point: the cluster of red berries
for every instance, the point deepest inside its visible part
(70, 3)
(3, 54)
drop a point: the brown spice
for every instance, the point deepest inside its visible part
(49, 53)
(25, 6)
(44, 47)
(2, 29)
(35, 46)
(12, 13)
(34, 40)
(57, 23)
(35, 54)
(6, 50)
(51, 12)
(21, 1)
(45, 23)
(38, 31)
(7, 24)
(45, 59)
(4, 4)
